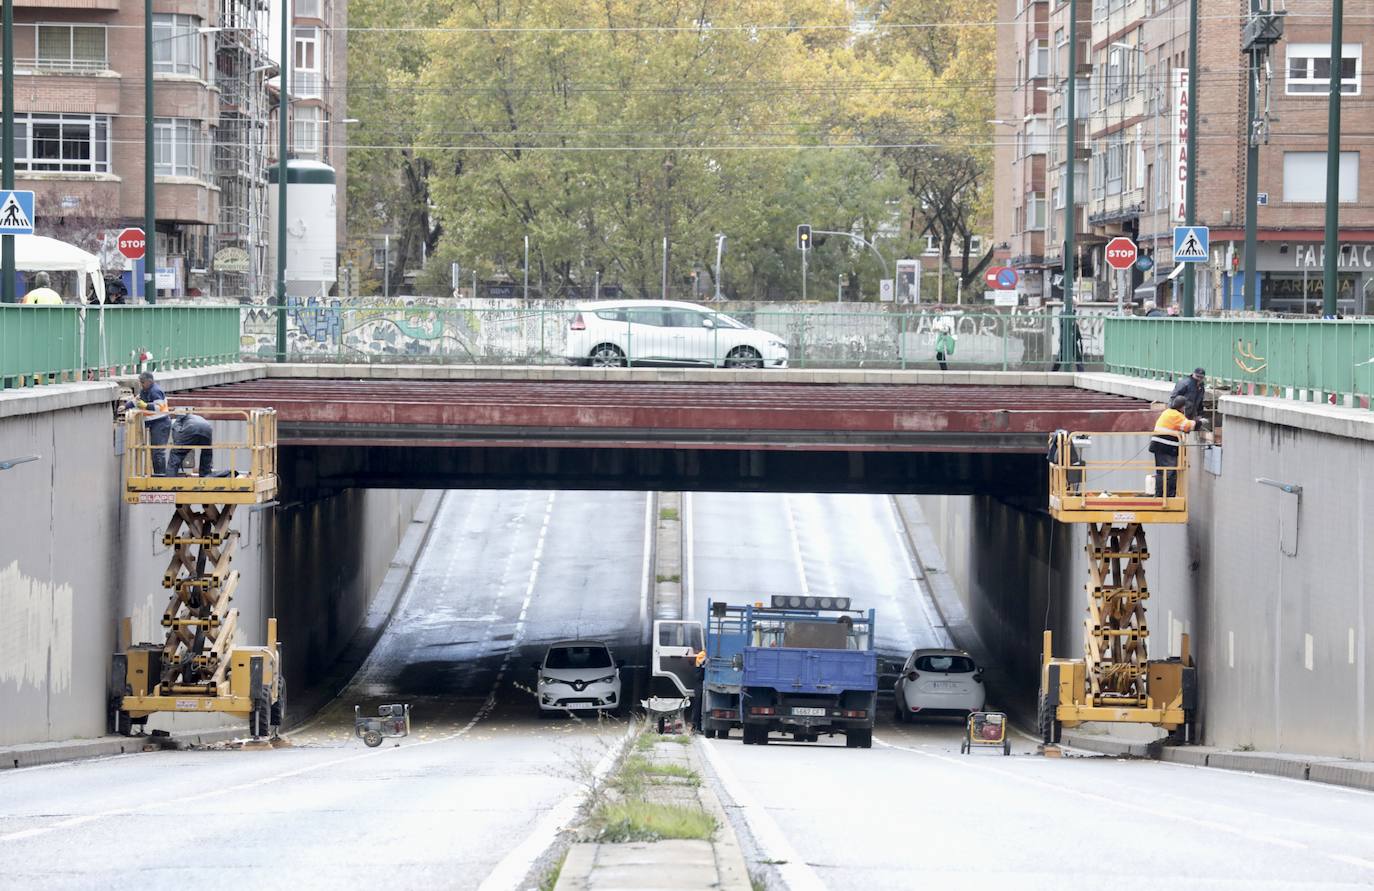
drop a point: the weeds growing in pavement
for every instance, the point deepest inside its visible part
(550, 879)
(668, 578)
(633, 820)
(647, 741)
(629, 816)
(637, 772)
(667, 513)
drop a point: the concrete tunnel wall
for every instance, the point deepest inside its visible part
(1277, 592)
(74, 560)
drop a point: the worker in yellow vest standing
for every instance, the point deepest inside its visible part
(42, 295)
(1170, 429)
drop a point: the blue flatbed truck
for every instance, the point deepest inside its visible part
(802, 665)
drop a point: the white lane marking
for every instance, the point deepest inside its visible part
(690, 568)
(511, 871)
(796, 545)
(938, 627)
(1103, 799)
(648, 562)
(519, 634)
(796, 873)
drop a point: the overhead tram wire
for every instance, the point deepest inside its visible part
(779, 27)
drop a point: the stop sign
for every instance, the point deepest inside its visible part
(1121, 253)
(132, 243)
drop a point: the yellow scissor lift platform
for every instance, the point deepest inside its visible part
(197, 667)
(1109, 481)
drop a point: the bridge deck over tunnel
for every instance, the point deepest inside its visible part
(591, 414)
(732, 435)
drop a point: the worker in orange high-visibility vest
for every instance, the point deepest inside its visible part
(1170, 428)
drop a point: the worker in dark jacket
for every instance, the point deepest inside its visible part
(1193, 389)
(153, 403)
(190, 430)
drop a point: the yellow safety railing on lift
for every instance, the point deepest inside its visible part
(1112, 478)
(248, 464)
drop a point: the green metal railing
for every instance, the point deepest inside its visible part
(540, 335)
(51, 344)
(1318, 360)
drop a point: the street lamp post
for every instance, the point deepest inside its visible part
(720, 252)
(861, 240)
(1067, 355)
(149, 160)
(283, 106)
(1190, 185)
(7, 136)
(527, 268)
(1331, 252)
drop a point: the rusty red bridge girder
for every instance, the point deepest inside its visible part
(849, 417)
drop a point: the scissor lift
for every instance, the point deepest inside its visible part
(197, 668)
(1097, 479)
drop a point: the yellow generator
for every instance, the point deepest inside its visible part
(197, 667)
(1097, 479)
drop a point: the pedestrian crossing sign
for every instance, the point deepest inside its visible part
(16, 213)
(1191, 244)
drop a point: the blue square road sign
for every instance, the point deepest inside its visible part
(16, 213)
(1191, 244)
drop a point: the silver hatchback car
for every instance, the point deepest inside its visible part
(938, 680)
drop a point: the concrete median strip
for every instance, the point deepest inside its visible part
(670, 830)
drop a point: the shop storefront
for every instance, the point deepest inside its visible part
(1292, 278)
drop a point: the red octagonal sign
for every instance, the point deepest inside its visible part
(132, 243)
(1121, 253)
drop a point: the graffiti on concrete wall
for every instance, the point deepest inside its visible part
(506, 331)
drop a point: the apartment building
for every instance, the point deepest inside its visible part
(79, 129)
(1132, 101)
(318, 77)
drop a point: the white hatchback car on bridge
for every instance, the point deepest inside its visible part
(938, 680)
(667, 332)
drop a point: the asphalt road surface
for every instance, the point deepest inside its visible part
(913, 813)
(471, 797)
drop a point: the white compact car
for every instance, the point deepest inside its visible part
(667, 332)
(577, 675)
(938, 681)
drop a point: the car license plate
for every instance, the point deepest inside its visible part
(809, 712)
(948, 685)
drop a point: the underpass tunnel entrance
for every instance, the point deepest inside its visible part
(504, 575)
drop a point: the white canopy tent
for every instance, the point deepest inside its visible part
(38, 253)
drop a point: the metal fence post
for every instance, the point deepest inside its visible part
(901, 339)
(1006, 335)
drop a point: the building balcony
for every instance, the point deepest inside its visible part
(187, 200)
(79, 92)
(1106, 213)
(83, 5)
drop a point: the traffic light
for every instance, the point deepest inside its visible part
(803, 237)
